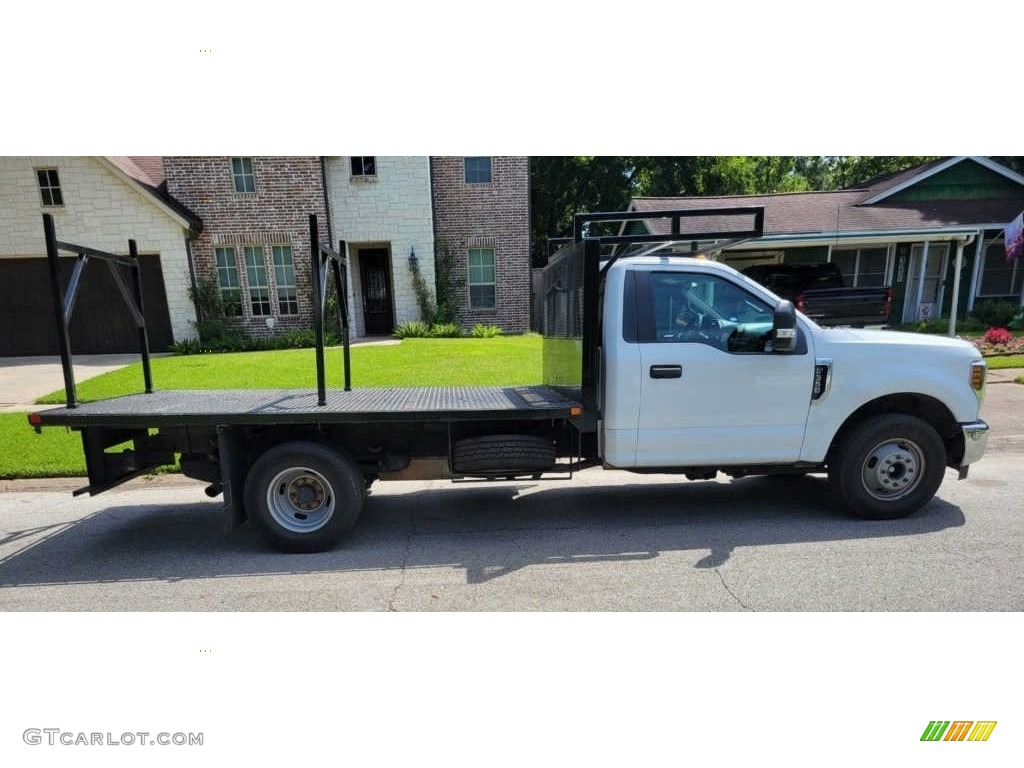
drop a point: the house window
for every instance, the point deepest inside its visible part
(1000, 277)
(256, 272)
(364, 166)
(481, 278)
(863, 267)
(478, 170)
(49, 186)
(284, 277)
(227, 277)
(241, 169)
(871, 267)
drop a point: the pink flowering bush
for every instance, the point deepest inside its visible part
(997, 336)
(999, 341)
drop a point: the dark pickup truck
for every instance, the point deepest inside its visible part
(818, 291)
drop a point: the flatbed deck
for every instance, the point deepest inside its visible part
(299, 406)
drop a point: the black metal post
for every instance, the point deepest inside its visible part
(318, 309)
(63, 336)
(591, 326)
(147, 375)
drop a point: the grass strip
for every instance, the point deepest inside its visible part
(512, 360)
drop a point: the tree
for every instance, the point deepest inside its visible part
(852, 171)
(563, 186)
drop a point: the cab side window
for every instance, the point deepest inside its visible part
(695, 308)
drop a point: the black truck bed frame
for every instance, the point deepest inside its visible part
(300, 406)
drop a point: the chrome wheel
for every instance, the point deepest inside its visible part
(893, 469)
(300, 500)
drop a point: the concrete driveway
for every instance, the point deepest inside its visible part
(23, 379)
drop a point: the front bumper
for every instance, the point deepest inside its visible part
(975, 442)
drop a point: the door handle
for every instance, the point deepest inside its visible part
(666, 371)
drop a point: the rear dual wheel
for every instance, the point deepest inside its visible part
(304, 496)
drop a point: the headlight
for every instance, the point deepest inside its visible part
(978, 368)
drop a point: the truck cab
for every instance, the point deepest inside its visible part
(694, 377)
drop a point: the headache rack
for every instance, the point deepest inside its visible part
(572, 282)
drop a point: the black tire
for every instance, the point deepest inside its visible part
(887, 467)
(304, 496)
(503, 455)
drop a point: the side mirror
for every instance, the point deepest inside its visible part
(784, 327)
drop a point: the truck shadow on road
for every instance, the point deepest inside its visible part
(487, 530)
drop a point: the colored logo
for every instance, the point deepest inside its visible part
(958, 730)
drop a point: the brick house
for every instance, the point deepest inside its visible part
(390, 211)
(482, 213)
(97, 202)
(255, 238)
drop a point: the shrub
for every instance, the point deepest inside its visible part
(412, 330)
(214, 337)
(186, 347)
(481, 331)
(445, 331)
(996, 313)
(997, 336)
(442, 315)
(295, 339)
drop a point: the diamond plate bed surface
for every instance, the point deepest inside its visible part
(268, 406)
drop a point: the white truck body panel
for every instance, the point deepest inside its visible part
(735, 409)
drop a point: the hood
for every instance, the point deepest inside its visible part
(897, 338)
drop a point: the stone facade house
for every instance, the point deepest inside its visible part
(100, 203)
(381, 207)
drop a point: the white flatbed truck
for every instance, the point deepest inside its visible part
(654, 362)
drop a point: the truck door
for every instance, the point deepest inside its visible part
(710, 390)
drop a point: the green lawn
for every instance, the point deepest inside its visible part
(413, 363)
(53, 453)
(1005, 361)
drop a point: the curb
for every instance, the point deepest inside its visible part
(70, 484)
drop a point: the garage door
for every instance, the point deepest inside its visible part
(101, 322)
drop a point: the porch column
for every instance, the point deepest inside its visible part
(979, 255)
(920, 282)
(956, 287)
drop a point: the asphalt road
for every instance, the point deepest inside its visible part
(605, 541)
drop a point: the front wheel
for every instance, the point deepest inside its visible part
(304, 496)
(887, 467)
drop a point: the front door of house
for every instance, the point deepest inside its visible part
(925, 282)
(378, 314)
